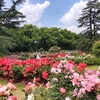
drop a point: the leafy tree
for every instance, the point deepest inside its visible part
(47, 38)
(32, 38)
(27, 38)
(90, 18)
(9, 18)
(67, 39)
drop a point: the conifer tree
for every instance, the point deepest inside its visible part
(90, 18)
(9, 18)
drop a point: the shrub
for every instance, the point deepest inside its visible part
(89, 60)
(24, 56)
(96, 49)
(97, 61)
(41, 93)
(77, 60)
(17, 74)
(54, 49)
(40, 72)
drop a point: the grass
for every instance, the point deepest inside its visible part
(92, 67)
(18, 92)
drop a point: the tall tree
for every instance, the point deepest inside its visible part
(9, 18)
(90, 18)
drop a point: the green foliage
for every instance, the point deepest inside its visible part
(6, 44)
(96, 49)
(54, 49)
(55, 93)
(2, 54)
(89, 60)
(78, 57)
(41, 49)
(77, 60)
(42, 69)
(97, 61)
(41, 93)
(17, 73)
(32, 38)
(24, 56)
(84, 44)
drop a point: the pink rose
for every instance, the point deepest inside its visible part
(67, 98)
(48, 85)
(98, 97)
(3, 89)
(29, 86)
(63, 90)
(74, 92)
(12, 98)
(55, 79)
(11, 86)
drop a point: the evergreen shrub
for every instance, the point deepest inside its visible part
(96, 49)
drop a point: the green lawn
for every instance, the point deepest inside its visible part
(93, 67)
(18, 92)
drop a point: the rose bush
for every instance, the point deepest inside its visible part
(6, 92)
(16, 70)
(60, 79)
(70, 81)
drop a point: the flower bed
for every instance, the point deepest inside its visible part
(16, 70)
(67, 81)
(52, 78)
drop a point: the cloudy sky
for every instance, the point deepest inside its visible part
(52, 13)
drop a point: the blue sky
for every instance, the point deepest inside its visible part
(52, 13)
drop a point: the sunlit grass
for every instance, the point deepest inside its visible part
(92, 67)
(18, 92)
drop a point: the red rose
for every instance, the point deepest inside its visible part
(81, 66)
(28, 69)
(45, 74)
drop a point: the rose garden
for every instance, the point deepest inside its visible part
(49, 63)
(59, 76)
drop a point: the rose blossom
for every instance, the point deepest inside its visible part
(75, 92)
(11, 86)
(55, 79)
(67, 98)
(48, 85)
(29, 86)
(12, 98)
(62, 90)
(3, 89)
(45, 74)
(98, 97)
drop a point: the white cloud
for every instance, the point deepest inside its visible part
(33, 12)
(73, 14)
(70, 18)
(75, 29)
